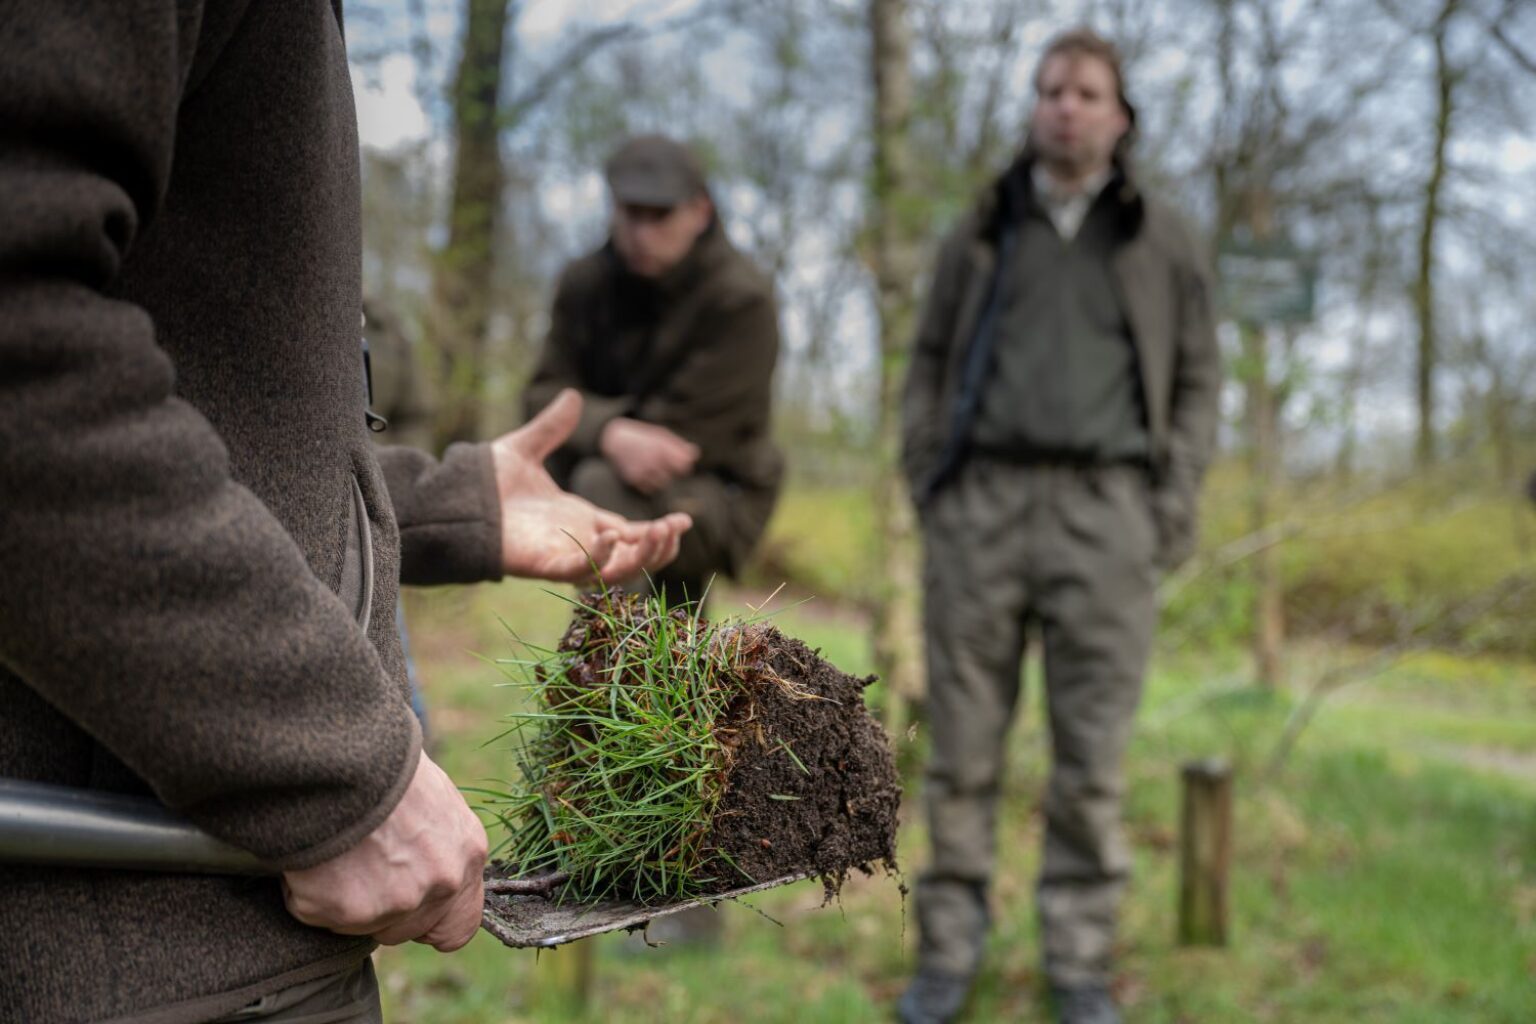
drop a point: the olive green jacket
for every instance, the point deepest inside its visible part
(1165, 287)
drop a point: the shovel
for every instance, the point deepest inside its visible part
(63, 827)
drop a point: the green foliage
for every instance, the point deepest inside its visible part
(1432, 560)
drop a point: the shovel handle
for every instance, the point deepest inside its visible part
(60, 826)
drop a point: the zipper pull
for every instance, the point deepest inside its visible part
(376, 423)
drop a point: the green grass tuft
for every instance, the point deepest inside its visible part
(624, 752)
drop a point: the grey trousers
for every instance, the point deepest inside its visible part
(1070, 549)
(347, 997)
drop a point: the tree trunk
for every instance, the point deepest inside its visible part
(1500, 406)
(464, 268)
(1349, 405)
(1359, 353)
(1263, 469)
(1424, 286)
(894, 600)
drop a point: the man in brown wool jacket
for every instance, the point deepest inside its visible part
(200, 551)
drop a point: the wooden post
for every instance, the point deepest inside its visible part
(569, 976)
(1205, 853)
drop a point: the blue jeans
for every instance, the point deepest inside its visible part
(418, 703)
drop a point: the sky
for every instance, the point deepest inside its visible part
(389, 115)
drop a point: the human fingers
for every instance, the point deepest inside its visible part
(391, 881)
(539, 437)
(679, 456)
(666, 539)
(446, 923)
(389, 901)
(655, 545)
(414, 924)
(677, 523)
(338, 909)
(460, 919)
(644, 470)
(450, 921)
(601, 545)
(648, 474)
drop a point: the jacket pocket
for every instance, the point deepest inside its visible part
(356, 587)
(1173, 512)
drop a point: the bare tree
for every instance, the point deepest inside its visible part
(1447, 79)
(463, 268)
(894, 254)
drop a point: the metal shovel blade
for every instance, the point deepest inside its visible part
(538, 922)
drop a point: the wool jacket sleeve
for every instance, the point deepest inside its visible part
(1194, 405)
(558, 369)
(147, 595)
(1196, 392)
(448, 512)
(924, 418)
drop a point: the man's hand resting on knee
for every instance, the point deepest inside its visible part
(418, 877)
(648, 457)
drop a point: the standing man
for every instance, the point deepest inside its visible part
(671, 336)
(200, 548)
(1059, 414)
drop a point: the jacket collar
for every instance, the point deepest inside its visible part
(1006, 199)
(709, 251)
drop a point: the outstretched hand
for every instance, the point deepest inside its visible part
(548, 533)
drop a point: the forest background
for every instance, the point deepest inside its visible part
(1355, 631)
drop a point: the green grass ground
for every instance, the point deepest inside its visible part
(1386, 874)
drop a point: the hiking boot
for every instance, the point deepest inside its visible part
(934, 997)
(1084, 1004)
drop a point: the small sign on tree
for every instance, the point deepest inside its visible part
(1266, 281)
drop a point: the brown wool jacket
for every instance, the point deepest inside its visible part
(708, 338)
(182, 450)
(1165, 285)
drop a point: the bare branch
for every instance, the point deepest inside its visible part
(1514, 52)
(1414, 635)
(589, 44)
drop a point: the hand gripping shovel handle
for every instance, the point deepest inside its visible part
(62, 826)
(59, 826)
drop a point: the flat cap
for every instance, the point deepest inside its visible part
(653, 170)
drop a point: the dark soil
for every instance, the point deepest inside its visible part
(810, 784)
(829, 808)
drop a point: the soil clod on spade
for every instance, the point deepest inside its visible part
(665, 758)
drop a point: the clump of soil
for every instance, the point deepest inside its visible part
(829, 808)
(781, 767)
